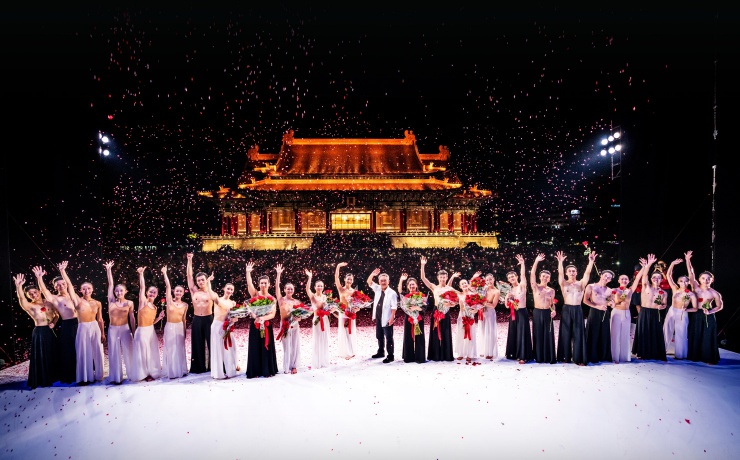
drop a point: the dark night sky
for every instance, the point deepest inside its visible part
(521, 97)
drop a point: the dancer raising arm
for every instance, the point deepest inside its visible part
(676, 322)
(320, 328)
(519, 340)
(261, 355)
(709, 302)
(174, 359)
(649, 342)
(620, 321)
(121, 322)
(147, 364)
(413, 344)
(290, 331)
(44, 315)
(222, 350)
(440, 328)
(347, 319)
(543, 334)
(572, 334)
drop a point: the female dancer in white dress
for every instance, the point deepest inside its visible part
(320, 329)
(121, 322)
(290, 331)
(175, 361)
(677, 319)
(621, 323)
(222, 353)
(147, 364)
(488, 331)
(462, 348)
(347, 328)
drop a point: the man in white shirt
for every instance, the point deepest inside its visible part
(384, 313)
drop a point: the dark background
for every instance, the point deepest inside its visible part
(520, 95)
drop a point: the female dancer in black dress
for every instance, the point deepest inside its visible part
(440, 326)
(261, 356)
(413, 345)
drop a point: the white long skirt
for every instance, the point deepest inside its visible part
(89, 348)
(221, 358)
(120, 347)
(291, 348)
(175, 363)
(145, 360)
(619, 331)
(488, 333)
(469, 346)
(320, 356)
(346, 340)
(459, 334)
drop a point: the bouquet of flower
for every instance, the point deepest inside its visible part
(226, 329)
(239, 311)
(504, 289)
(706, 306)
(331, 301)
(474, 304)
(330, 305)
(588, 250)
(260, 306)
(359, 300)
(410, 301)
(686, 297)
(299, 312)
(479, 284)
(447, 300)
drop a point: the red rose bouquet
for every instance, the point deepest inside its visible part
(411, 304)
(479, 284)
(447, 300)
(359, 300)
(473, 305)
(260, 306)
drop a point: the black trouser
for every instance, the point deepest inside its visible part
(200, 338)
(384, 334)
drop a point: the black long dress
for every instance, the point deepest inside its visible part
(261, 359)
(519, 340)
(695, 334)
(440, 350)
(649, 340)
(413, 346)
(41, 363)
(67, 354)
(708, 344)
(543, 336)
(598, 335)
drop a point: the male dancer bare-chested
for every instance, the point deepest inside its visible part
(440, 326)
(599, 297)
(519, 339)
(90, 331)
(41, 365)
(649, 342)
(121, 323)
(200, 329)
(62, 303)
(174, 359)
(223, 353)
(543, 334)
(572, 334)
(147, 364)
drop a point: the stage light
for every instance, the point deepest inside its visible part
(614, 148)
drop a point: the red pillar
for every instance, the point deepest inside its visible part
(234, 225)
(451, 221)
(372, 221)
(269, 222)
(328, 222)
(249, 223)
(224, 224)
(435, 224)
(475, 223)
(263, 221)
(298, 222)
(403, 220)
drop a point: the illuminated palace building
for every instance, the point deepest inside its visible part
(318, 186)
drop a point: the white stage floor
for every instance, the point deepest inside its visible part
(362, 408)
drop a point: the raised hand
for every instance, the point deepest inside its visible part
(643, 262)
(164, 270)
(404, 276)
(651, 259)
(592, 256)
(677, 261)
(140, 270)
(520, 259)
(455, 274)
(560, 256)
(279, 268)
(62, 266)
(376, 272)
(38, 271)
(540, 257)
(423, 261)
(108, 265)
(687, 255)
(189, 256)
(309, 273)
(211, 277)
(19, 279)
(342, 264)
(250, 266)
(476, 274)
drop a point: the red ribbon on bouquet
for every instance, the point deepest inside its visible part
(321, 313)
(512, 304)
(351, 315)
(284, 326)
(264, 331)
(467, 322)
(227, 335)
(480, 314)
(438, 316)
